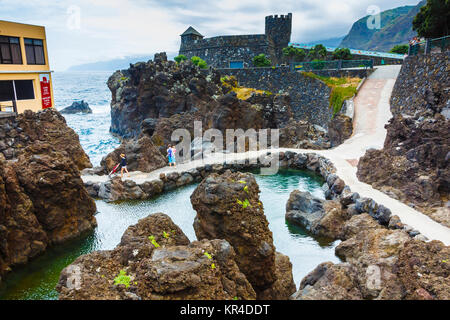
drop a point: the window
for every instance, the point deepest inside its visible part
(24, 90)
(10, 50)
(236, 64)
(34, 49)
(6, 91)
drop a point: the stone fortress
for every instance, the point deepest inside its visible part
(237, 51)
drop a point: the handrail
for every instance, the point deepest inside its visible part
(425, 47)
(331, 65)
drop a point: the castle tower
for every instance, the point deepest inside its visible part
(278, 33)
(188, 37)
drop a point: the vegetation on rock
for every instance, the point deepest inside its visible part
(199, 62)
(261, 61)
(180, 58)
(342, 89)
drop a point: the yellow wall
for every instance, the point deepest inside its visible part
(25, 71)
(34, 105)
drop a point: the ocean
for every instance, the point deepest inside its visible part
(93, 129)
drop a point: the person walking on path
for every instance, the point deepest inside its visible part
(171, 155)
(123, 165)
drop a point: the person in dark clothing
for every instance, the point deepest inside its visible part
(123, 165)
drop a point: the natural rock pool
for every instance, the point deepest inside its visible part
(38, 279)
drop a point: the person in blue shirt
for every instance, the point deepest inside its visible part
(123, 165)
(171, 155)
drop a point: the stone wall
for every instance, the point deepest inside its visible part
(220, 51)
(423, 81)
(310, 98)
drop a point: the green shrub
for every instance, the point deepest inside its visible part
(342, 54)
(199, 62)
(261, 61)
(180, 58)
(295, 54)
(400, 49)
(122, 278)
(317, 64)
(317, 52)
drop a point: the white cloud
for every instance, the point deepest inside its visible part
(115, 28)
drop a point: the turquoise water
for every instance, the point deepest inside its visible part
(93, 129)
(38, 279)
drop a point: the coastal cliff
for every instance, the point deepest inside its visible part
(43, 201)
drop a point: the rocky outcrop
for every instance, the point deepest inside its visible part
(160, 96)
(42, 202)
(303, 135)
(413, 165)
(228, 207)
(77, 107)
(340, 128)
(155, 261)
(46, 126)
(423, 270)
(141, 154)
(379, 263)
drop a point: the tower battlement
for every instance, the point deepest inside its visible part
(281, 17)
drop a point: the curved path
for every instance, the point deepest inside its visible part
(372, 112)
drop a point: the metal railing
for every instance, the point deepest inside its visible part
(331, 65)
(429, 46)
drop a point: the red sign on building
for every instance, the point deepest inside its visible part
(45, 91)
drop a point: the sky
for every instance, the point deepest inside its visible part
(84, 31)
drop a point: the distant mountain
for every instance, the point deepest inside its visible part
(115, 64)
(396, 28)
(331, 42)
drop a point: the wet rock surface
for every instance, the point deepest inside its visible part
(340, 128)
(228, 207)
(157, 262)
(43, 202)
(379, 263)
(77, 107)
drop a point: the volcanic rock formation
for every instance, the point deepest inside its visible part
(155, 261)
(43, 200)
(228, 207)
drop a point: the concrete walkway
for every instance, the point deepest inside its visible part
(372, 112)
